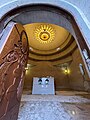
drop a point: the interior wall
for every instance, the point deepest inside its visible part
(76, 79)
(44, 69)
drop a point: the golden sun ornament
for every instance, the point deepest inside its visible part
(44, 33)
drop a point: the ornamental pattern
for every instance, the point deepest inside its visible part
(44, 33)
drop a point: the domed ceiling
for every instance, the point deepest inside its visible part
(43, 36)
(49, 42)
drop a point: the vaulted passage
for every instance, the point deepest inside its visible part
(45, 45)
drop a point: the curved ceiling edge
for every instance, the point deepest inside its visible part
(65, 53)
(60, 48)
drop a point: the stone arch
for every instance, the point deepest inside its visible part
(65, 11)
(70, 13)
(80, 18)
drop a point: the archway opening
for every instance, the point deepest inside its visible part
(59, 58)
(39, 13)
(50, 15)
(53, 51)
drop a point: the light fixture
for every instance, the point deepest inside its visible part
(58, 49)
(27, 67)
(30, 48)
(44, 33)
(66, 70)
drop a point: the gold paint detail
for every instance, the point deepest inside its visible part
(44, 33)
(44, 36)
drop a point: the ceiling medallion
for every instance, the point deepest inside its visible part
(44, 33)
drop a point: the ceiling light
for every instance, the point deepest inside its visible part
(26, 68)
(58, 49)
(30, 48)
(44, 33)
(66, 71)
(28, 65)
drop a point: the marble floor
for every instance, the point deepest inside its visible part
(65, 105)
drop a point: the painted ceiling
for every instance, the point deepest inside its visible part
(49, 42)
(44, 36)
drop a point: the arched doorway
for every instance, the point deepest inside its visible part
(49, 13)
(44, 14)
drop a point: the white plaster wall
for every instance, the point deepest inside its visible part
(83, 5)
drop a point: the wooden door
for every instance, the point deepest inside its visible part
(13, 58)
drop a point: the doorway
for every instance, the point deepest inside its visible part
(45, 13)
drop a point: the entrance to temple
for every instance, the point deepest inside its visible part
(15, 50)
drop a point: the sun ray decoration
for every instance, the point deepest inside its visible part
(44, 33)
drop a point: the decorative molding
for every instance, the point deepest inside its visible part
(44, 33)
